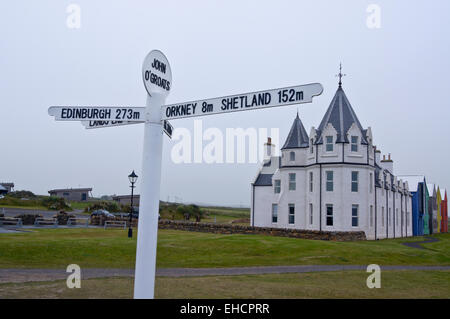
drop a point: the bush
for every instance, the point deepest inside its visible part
(55, 203)
(22, 194)
(109, 206)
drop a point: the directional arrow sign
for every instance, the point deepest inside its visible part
(98, 113)
(167, 127)
(243, 102)
(101, 124)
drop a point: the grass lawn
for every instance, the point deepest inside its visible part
(98, 248)
(348, 284)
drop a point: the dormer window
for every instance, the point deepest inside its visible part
(354, 146)
(292, 156)
(311, 146)
(329, 143)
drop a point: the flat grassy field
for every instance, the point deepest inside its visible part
(349, 284)
(98, 248)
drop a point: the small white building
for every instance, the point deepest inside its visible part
(331, 180)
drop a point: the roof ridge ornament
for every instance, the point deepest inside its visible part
(340, 75)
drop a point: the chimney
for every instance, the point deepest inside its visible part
(377, 156)
(388, 163)
(269, 149)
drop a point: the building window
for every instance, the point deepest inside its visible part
(292, 156)
(389, 217)
(371, 183)
(354, 181)
(329, 143)
(291, 214)
(354, 147)
(354, 215)
(65, 194)
(329, 181)
(396, 214)
(371, 216)
(277, 187)
(311, 147)
(311, 184)
(310, 214)
(274, 213)
(382, 216)
(292, 185)
(329, 215)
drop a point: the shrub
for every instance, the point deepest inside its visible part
(55, 203)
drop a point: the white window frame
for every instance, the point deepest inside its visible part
(292, 156)
(371, 215)
(274, 213)
(291, 214)
(354, 144)
(277, 186)
(327, 181)
(329, 143)
(357, 215)
(292, 183)
(355, 182)
(329, 216)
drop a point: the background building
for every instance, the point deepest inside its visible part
(75, 194)
(332, 180)
(8, 186)
(126, 199)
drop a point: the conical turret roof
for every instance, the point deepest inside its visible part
(341, 115)
(297, 138)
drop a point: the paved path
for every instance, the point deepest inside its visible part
(417, 244)
(27, 275)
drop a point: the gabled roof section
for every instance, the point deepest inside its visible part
(263, 180)
(413, 181)
(431, 189)
(341, 116)
(297, 137)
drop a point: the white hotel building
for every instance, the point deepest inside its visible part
(331, 180)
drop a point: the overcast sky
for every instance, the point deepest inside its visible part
(397, 82)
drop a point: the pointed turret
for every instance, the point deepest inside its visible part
(341, 116)
(297, 138)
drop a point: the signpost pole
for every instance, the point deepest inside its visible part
(144, 279)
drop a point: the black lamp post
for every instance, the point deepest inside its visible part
(133, 178)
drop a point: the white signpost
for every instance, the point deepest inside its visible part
(97, 113)
(243, 102)
(101, 124)
(157, 77)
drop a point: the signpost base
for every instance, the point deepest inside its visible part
(144, 279)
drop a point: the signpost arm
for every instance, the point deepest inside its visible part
(144, 279)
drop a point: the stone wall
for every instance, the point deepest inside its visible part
(236, 229)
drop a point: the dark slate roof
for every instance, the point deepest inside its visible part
(297, 137)
(264, 180)
(341, 115)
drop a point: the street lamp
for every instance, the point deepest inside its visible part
(132, 178)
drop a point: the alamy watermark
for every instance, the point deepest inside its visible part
(374, 279)
(213, 146)
(373, 20)
(73, 20)
(74, 279)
